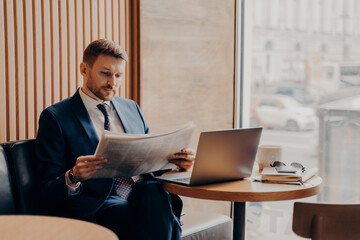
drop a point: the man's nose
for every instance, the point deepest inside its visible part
(113, 81)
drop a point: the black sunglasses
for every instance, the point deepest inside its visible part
(293, 164)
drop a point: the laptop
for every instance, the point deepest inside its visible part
(221, 156)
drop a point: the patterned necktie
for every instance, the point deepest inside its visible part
(123, 185)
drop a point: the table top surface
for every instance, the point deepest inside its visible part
(19, 227)
(247, 190)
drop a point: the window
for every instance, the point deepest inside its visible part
(320, 72)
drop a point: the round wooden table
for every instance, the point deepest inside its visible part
(243, 191)
(19, 227)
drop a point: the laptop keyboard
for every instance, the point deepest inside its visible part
(183, 180)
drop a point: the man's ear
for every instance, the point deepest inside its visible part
(84, 69)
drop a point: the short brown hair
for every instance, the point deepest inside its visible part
(103, 46)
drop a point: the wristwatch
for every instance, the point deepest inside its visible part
(72, 177)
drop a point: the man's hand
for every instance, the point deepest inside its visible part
(183, 159)
(86, 166)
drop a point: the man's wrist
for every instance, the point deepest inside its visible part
(72, 188)
(72, 181)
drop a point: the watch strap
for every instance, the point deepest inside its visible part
(72, 177)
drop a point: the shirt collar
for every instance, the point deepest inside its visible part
(90, 102)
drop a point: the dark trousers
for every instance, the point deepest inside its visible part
(147, 214)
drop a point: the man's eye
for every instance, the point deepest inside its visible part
(105, 73)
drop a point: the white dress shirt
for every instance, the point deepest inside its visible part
(98, 119)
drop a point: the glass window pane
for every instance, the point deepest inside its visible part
(305, 92)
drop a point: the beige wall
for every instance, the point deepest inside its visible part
(187, 63)
(187, 69)
(41, 45)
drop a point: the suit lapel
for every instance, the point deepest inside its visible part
(119, 108)
(82, 115)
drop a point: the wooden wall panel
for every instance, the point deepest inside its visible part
(55, 51)
(42, 42)
(10, 72)
(108, 23)
(31, 118)
(19, 65)
(122, 11)
(79, 41)
(115, 24)
(46, 57)
(3, 105)
(63, 50)
(101, 18)
(71, 47)
(38, 53)
(94, 19)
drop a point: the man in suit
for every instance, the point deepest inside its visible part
(134, 208)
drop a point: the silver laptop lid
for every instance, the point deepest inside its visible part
(225, 155)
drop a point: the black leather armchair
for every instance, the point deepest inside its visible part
(20, 157)
(19, 193)
(6, 194)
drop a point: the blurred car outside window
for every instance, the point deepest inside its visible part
(282, 112)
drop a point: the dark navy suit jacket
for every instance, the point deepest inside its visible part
(65, 133)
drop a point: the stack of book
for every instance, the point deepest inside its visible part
(271, 175)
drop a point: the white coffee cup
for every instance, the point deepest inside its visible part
(267, 154)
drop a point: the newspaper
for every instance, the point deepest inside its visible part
(134, 154)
